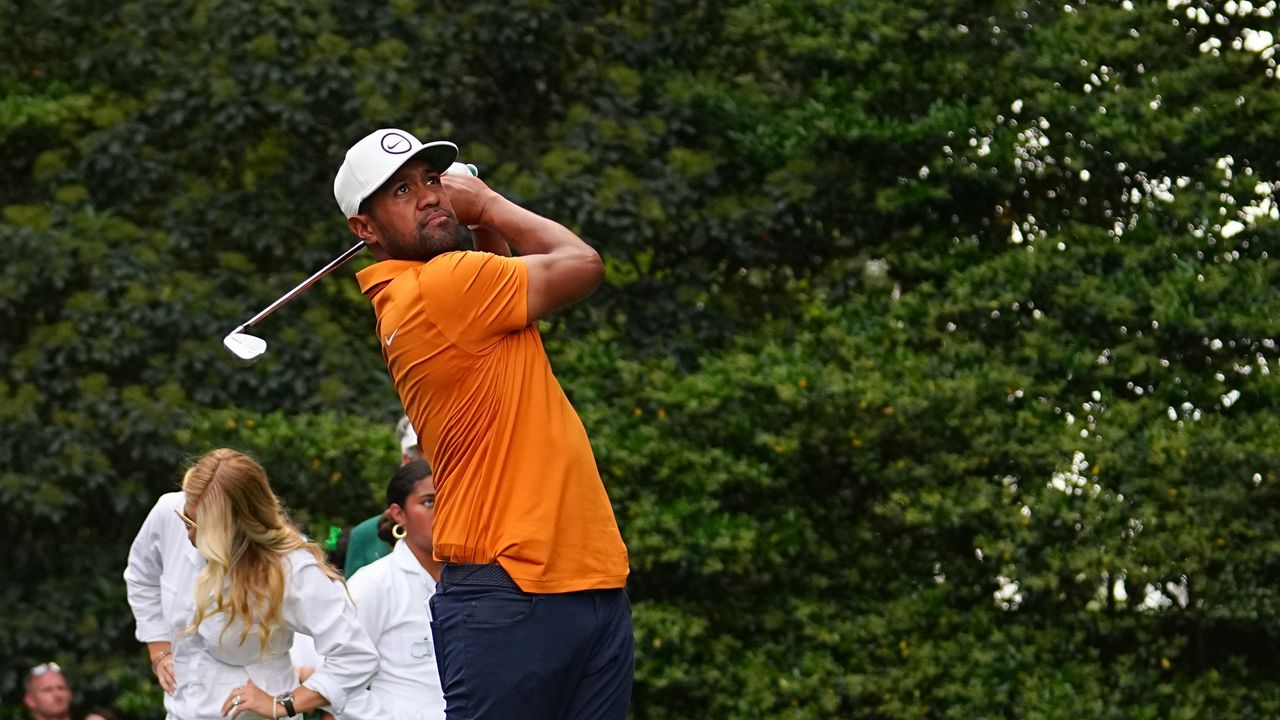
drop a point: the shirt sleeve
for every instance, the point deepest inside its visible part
(364, 705)
(318, 606)
(143, 574)
(476, 298)
(303, 652)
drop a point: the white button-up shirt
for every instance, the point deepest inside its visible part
(391, 596)
(208, 664)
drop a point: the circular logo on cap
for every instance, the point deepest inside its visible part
(396, 144)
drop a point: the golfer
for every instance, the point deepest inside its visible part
(530, 619)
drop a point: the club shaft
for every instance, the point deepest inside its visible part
(333, 265)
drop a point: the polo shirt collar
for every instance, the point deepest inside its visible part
(382, 272)
(404, 559)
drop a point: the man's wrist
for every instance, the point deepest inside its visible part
(486, 212)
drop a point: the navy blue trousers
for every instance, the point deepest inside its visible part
(504, 654)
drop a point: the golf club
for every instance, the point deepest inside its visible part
(249, 347)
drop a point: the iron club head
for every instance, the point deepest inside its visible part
(245, 346)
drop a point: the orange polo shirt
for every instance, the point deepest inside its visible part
(515, 477)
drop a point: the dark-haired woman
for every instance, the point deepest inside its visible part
(391, 600)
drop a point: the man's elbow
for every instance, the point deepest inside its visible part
(593, 268)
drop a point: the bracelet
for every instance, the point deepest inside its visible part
(274, 703)
(160, 656)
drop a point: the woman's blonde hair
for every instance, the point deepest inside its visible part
(243, 532)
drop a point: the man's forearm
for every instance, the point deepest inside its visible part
(490, 240)
(528, 232)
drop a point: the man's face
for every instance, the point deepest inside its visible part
(411, 216)
(49, 696)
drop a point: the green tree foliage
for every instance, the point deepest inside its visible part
(932, 376)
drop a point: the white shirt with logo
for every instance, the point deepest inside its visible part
(391, 596)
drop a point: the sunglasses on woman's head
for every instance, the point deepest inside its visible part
(186, 520)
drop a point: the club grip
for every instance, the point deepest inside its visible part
(459, 168)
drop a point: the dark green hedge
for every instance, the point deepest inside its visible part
(932, 376)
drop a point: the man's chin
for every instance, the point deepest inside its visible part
(423, 251)
(441, 242)
(436, 249)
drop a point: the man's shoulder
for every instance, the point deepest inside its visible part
(367, 526)
(363, 545)
(459, 261)
(465, 276)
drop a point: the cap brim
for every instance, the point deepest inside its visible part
(439, 154)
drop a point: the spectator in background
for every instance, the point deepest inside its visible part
(409, 449)
(391, 595)
(47, 696)
(161, 561)
(219, 610)
(103, 714)
(363, 544)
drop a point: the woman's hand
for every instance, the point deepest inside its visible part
(249, 700)
(162, 666)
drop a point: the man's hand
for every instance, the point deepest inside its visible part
(469, 195)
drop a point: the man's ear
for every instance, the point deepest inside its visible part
(363, 228)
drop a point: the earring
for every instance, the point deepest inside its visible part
(398, 532)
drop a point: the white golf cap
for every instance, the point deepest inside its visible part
(376, 157)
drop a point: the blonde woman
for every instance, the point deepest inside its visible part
(233, 607)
